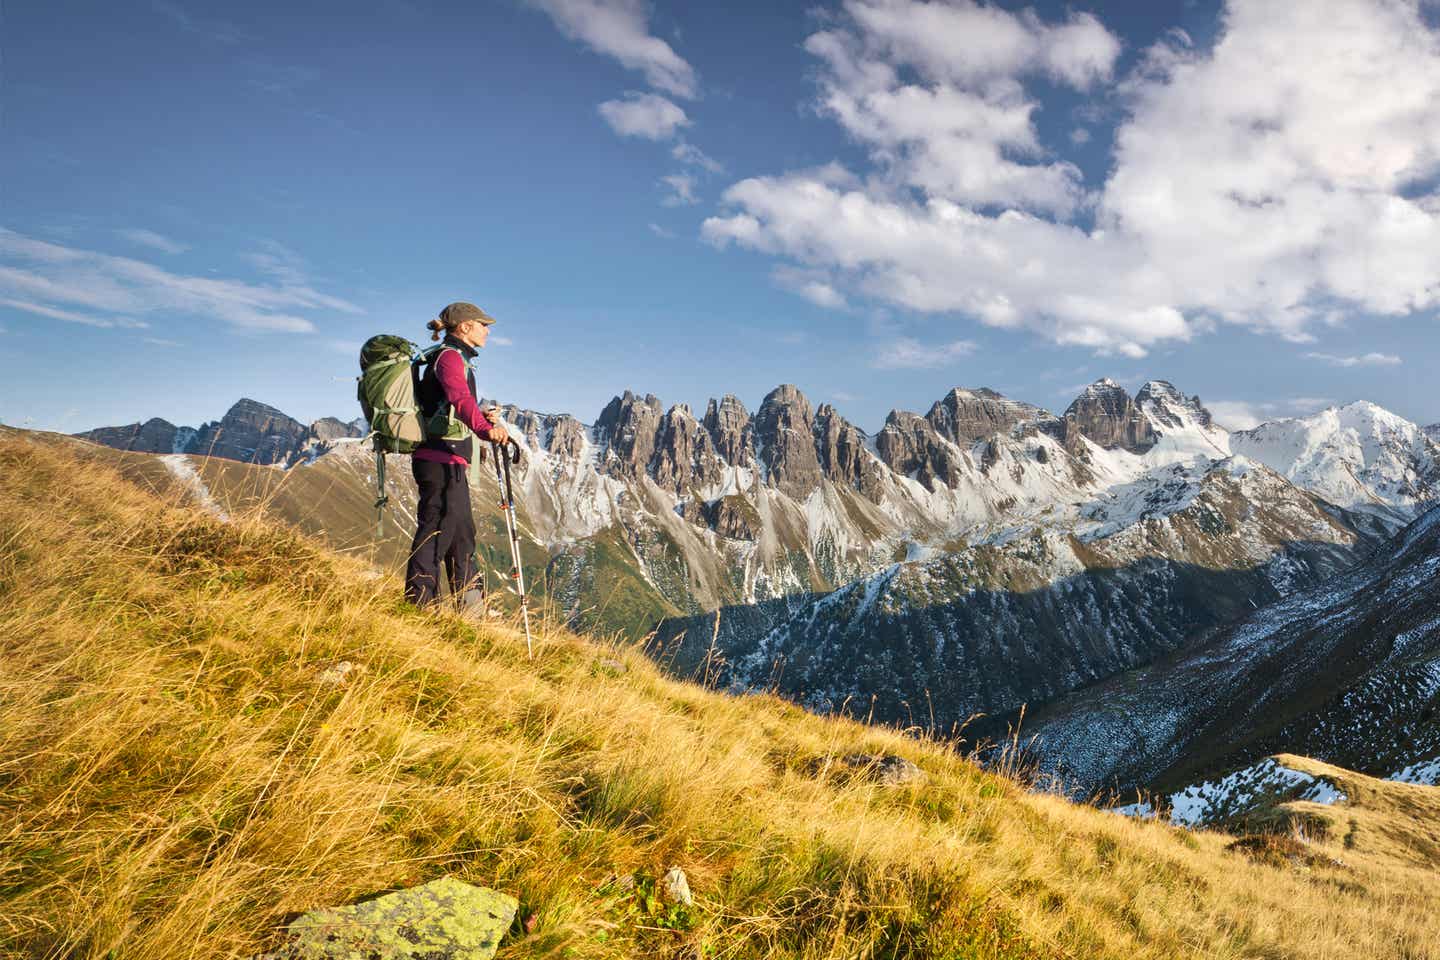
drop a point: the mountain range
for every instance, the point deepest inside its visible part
(985, 555)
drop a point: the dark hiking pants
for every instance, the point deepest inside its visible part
(445, 533)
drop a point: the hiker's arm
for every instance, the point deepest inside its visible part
(450, 370)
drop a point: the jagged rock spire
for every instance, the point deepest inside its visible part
(785, 432)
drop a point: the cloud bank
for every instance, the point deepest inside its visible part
(1284, 175)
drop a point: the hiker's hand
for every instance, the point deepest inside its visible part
(497, 434)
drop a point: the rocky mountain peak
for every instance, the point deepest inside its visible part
(627, 429)
(1105, 414)
(965, 416)
(731, 429)
(784, 432)
(153, 436)
(254, 432)
(1164, 404)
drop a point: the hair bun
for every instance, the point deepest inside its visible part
(436, 325)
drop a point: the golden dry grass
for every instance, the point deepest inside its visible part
(176, 781)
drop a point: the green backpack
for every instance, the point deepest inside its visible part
(387, 391)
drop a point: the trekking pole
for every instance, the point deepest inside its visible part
(507, 507)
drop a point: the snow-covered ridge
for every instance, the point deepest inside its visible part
(1359, 456)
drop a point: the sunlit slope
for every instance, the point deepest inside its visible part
(178, 778)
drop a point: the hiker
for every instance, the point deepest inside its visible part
(445, 527)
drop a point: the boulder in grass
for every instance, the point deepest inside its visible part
(441, 920)
(885, 769)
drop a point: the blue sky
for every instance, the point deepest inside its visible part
(876, 200)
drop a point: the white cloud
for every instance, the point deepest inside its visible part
(905, 353)
(661, 232)
(122, 290)
(682, 190)
(933, 88)
(1285, 174)
(620, 29)
(811, 285)
(501, 342)
(693, 155)
(1361, 360)
(1243, 415)
(153, 240)
(644, 115)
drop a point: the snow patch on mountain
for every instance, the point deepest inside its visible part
(1213, 801)
(183, 470)
(1426, 772)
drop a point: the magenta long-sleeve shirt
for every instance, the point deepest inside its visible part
(450, 371)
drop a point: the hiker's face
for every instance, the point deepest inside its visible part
(474, 333)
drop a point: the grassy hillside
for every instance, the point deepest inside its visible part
(177, 779)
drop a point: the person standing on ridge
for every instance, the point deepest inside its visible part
(445, 527)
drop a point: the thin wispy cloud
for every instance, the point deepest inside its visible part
(690, 154)
(620, 29)
(221, 31)
(681, 187)
(661, 232)
(1358, 360)
(906, 353)
(71, 282)
(70, 316)
(153, 240)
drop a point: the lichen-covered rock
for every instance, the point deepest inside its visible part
(441, 920)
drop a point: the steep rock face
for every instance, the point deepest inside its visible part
(1433, 432)
(732, 430)
(842, 454)
(153, 436)
(684, 453)
(627, 430)
(910, 445)
(567, 438)
(965, 416)
(1106, 415)
(785, 433)
(253, 432)
(1358, 456)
